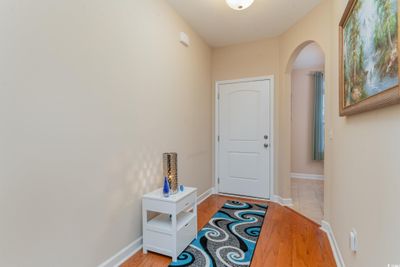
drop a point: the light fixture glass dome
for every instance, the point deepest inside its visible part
(239, 4)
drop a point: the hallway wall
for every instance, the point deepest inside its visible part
(302, 119)
(365, 175)
(361, 160)
(91, 94)
(361, 152)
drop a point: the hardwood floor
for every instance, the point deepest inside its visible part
(287, 239)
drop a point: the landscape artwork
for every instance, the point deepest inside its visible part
(369, 50)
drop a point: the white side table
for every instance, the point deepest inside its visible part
(175, 227)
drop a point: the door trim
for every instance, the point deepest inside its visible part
(271, 121)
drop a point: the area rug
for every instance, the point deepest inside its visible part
(228, 239)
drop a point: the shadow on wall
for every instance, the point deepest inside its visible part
(130, 175)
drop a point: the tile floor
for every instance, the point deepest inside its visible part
(308, 198)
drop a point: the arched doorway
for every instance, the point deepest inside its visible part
(306, 69)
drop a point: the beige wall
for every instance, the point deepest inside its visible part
(302, 119)
(362, 180)
(253, 59)
(92, 92)
(361, 160)
(365, 175)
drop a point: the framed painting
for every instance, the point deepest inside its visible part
(369, 56)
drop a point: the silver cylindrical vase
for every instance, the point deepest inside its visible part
(170, 167)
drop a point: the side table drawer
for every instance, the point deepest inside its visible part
(186, 202)
(159, 206)
(186, 235)
(159, 242)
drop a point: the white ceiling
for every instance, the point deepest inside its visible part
(310, 57)
(220, 25)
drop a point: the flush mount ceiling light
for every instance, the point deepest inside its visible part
(239, 4)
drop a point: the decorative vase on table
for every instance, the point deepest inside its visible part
(166, 187)
(170, 166)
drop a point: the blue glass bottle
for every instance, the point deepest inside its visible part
(166, 187)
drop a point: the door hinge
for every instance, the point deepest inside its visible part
(218, 96)
(218, 180)
(218, 138)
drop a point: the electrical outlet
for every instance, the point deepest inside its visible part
(353, 241)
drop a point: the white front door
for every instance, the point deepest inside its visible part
(244, 138)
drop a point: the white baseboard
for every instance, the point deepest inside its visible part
(214, 190)
(205, 195)
(123, 254)
(137, 245)
(326, 227)
(282, 201)
(307, 176)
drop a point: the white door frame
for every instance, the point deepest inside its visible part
(271, 121)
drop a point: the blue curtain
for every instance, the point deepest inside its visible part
(319, 123)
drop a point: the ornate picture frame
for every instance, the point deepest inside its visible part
(368, 56)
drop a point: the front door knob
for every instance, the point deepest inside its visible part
(266, 145)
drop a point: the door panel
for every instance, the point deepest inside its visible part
(238, 160)
(243, 105)
(243, 123)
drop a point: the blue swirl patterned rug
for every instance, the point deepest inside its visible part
(228, 239)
